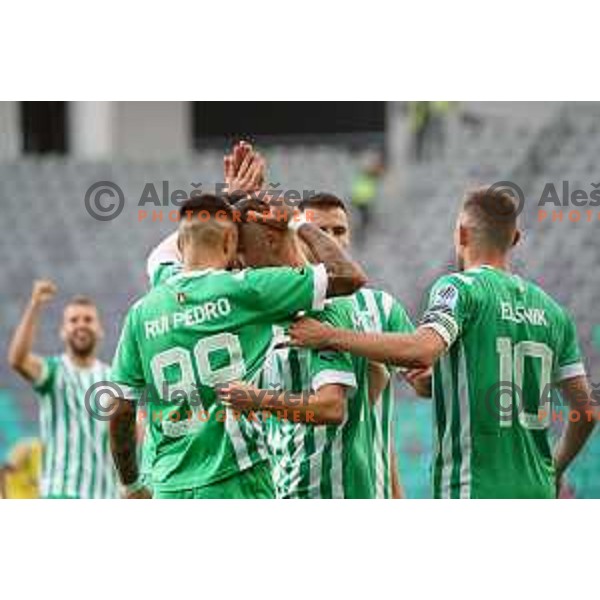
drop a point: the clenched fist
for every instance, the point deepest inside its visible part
(43, 291)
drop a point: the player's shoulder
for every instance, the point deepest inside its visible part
(465, 280)
(474, 283)
(374, 295)
(447, 289)
(138, 304)
(338, 311)
(383, 299)
(546, 300)
(163, 271)
(380, 307)
(54, 361)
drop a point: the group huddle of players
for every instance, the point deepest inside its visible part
(263, 365)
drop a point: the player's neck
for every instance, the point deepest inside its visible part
(205, 261)
(83, 362)
(495, 261)
(293, 257)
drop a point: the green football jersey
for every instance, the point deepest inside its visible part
(163, 271)
(508, 342)
(322, 461)
(77, 461)
(194, 332)
(379, 312)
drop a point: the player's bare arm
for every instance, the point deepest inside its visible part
(326, 406)
(243, 171)
(411, 350)
(345, 275)
(397, 489)
(123, 445)
(576, 392)
(20, 353)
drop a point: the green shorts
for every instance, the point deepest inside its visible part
(254, 483)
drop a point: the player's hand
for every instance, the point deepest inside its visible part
(244, 169)
(420, 380)
(240, 395)
(310, 332)
(43, 291)
(559, 483)
(141, 494)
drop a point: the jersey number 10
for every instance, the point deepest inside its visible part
(510, 387)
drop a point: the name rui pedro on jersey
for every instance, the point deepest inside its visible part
(189, 317)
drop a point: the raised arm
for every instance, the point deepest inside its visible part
(20, 353)
(345, 275)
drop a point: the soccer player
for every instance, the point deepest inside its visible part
(320, 435)
(498, 343)
(201, 329)
(378, 312)
(76, 458)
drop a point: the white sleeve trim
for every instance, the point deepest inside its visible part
(130, 393)
(164, 253)
(570, 371)
(332, 376)
(320, 281)
(442, 331)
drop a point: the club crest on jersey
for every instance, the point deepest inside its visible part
(446, 296)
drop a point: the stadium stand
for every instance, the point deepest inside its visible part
(413, 243)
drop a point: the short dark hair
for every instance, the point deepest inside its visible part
(323, 200)
(81, 300)
(494, 213)
(207, 203)
(250, 204)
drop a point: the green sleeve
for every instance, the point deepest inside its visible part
(450, 304)
(396, 317)
(46, 379)
(127, 370)
(329, 366)
(568, 360)
(163, 271)
(281, 292)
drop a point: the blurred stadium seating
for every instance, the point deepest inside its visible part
(410, 246)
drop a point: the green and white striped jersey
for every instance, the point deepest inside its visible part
(77, 461)
(379, 312)
(508, 341)
(322, 461)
